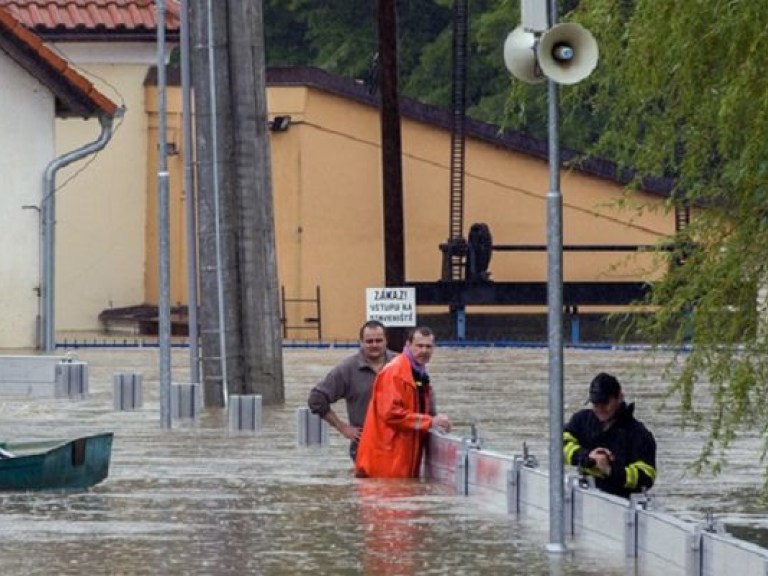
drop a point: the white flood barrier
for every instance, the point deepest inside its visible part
(664, 537)
(604, 516)
(311, 430)
(443, 458)
(721, 553)
(127, 391)
(533, 490)
(244, 413)
(488, 474)
(33, 376)
(185, 400)
(71, 379)
(656, 542)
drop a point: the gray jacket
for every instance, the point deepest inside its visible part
(352, 380)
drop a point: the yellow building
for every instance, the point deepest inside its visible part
(327, 185)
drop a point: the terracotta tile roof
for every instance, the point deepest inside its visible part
(83, 18)
(75, 96)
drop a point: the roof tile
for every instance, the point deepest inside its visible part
(91, 15)
(16, 34)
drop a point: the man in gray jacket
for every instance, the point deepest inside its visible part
(352, 380)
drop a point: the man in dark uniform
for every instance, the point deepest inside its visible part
(608, 443)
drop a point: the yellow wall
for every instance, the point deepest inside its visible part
(327, 184)
(176, 199)
(100, 223)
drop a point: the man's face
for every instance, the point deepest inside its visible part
(373, 344)
(605, 411)
(422, 347)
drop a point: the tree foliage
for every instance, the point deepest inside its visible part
(682, 89)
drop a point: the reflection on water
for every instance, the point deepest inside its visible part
(200, 500)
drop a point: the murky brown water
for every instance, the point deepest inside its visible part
(201, 500)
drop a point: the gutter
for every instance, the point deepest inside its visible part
(46, 336)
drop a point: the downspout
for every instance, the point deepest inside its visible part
(48, 214)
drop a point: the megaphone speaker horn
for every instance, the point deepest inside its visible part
(567, 53)
(520, 56)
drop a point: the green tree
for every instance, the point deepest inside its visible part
(682, 89)
(285, 35)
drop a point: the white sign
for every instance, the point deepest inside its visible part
(392, 307)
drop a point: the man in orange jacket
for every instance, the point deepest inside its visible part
(398, 416)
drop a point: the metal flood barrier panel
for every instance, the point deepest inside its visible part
(722, 553)
(601, 515)
(488, 473)
(443, 458)
(653, 539)
(533, 490)
(667, 538)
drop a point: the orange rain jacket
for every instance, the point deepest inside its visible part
(395, 431)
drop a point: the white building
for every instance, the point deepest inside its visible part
(38, 87)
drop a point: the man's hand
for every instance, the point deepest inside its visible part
(350, 432)
(441, 423)
(347, 430)
(603, 458)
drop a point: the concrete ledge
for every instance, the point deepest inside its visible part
(33, 376)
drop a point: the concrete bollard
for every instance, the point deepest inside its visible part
(127, 391)
(310, 428)
(185, 400)
(71, 379)
(244, 413)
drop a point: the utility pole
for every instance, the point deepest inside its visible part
(259, 304)
(391, 157)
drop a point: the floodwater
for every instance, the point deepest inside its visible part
(199, 499)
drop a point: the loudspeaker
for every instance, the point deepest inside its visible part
(566, 53)
(520, 56)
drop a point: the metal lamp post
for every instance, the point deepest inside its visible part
(542, 50)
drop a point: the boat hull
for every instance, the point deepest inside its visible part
(58, 464)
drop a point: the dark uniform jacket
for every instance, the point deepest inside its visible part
(630, 442)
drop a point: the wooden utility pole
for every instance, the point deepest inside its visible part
(391, 157)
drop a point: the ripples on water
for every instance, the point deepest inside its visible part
(201, 500)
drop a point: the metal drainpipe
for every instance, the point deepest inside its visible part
(48, 216)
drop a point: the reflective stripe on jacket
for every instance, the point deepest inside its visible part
(395, 431)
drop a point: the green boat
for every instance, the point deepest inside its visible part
(55, 464)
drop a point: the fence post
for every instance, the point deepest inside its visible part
(310, 428)
(245, 413)
(71, 379)
(127, 391)
(185, 400)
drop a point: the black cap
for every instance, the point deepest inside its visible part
(603, 388)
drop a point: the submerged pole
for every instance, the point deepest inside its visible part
(555, 319)
(191, 203)
(163, 215)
